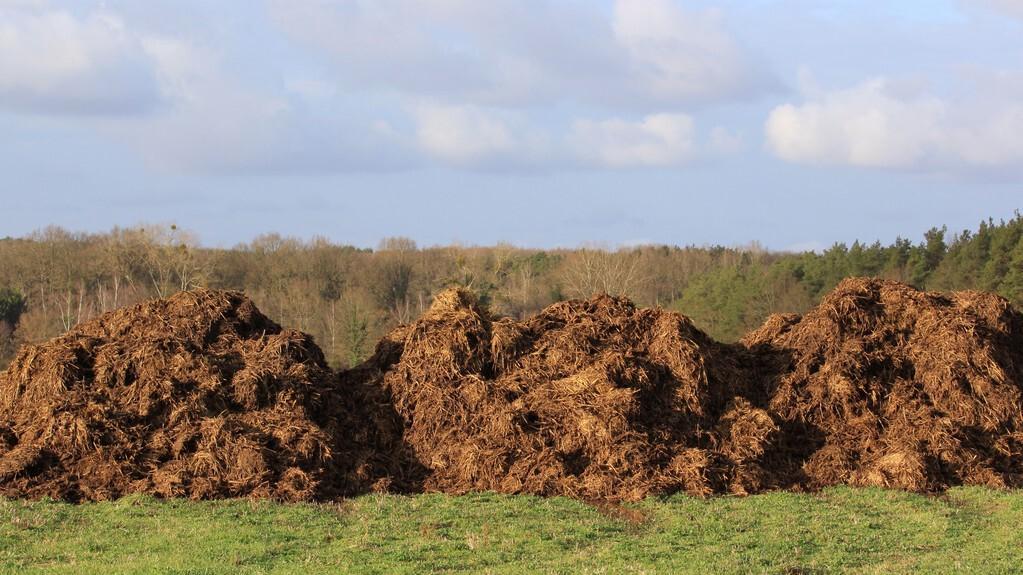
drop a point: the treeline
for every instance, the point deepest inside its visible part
(347, 297)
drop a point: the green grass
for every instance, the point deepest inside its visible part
(839, 530)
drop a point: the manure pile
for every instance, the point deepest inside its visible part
(593, 399)
(896, 387)
(880, 385)
(202, 396)
(199, 395)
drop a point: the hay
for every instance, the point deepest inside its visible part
(198, 395)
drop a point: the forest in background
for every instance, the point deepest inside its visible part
(347, 297)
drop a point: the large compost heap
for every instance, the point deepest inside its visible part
(896, 387)
(595, 399)
(200, 395)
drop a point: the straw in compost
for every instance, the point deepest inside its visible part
(198, 395)
(891, 386)
(594, 399)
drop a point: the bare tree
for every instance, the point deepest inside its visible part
(597, 270)
(169, 258)
(391, 279)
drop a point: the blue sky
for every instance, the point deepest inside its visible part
(543, 123)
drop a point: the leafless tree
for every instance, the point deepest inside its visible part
(597, 270)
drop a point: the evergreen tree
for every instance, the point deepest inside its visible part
(1012, 286)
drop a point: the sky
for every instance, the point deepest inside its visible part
(543, 123)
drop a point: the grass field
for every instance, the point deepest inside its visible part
(838, 530)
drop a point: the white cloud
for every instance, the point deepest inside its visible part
(479, 138)
(52, 61)
(680, 54)
(989, 137)
(212, 122)
(1010, 7)
(493, 139)
(180, 67)
(484, 138)
(644, 54)
(879, 123)
(863, 126)
(389, 44)
(209, 123)
(462, 134)
(499, 85)
(660, 140)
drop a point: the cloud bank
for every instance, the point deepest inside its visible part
(644, 54)
(52, 62)
(883, 124)
(506, 85)
(502, 85)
